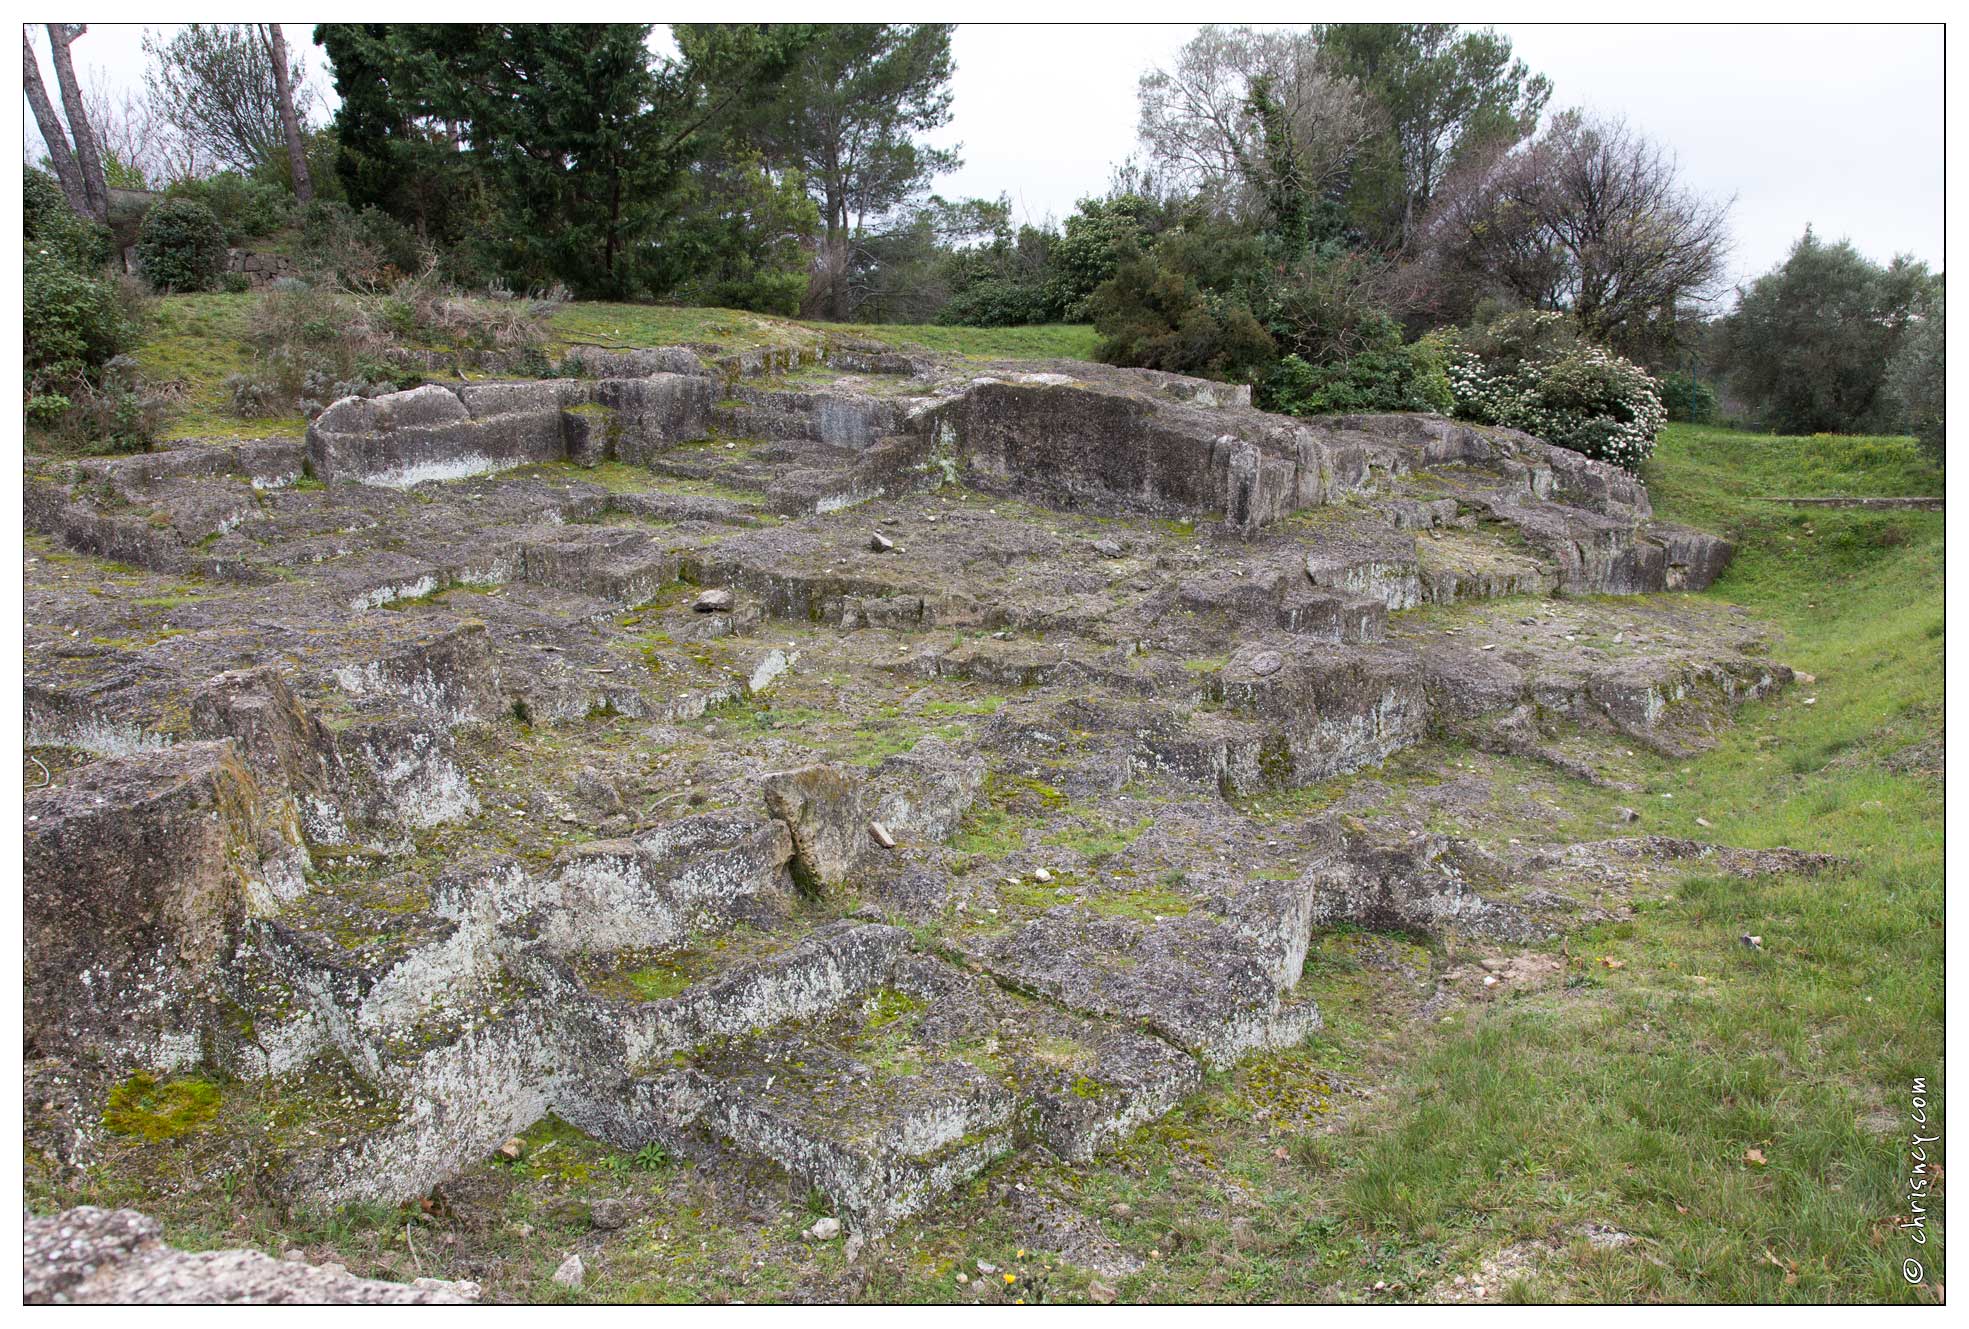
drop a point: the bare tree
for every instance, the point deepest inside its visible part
(60, 155)
(1249, 117)
(71, 147)
(290, 124)
(87, 160)
(1590, 217)
(214, 83)
(137, 150)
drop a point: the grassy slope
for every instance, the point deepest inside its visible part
(1641, 1105)
(194, 341)
(650, 325)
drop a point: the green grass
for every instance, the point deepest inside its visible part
(610, 324)
(1706, 474)
(191, 344)
(613, 324)
(656, 982)
(1633, 1101)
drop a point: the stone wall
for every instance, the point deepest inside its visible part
(441, 433)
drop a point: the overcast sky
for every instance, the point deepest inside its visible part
(1838, 126)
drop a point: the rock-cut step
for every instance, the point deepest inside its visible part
(884, 1076)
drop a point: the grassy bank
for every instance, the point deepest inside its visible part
(656, 325)
(1741, 1114)
(193, 342)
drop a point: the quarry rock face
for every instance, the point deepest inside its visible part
(140, 874)
(438, 433)
(857, 765)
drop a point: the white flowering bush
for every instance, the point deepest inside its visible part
(1530, 371)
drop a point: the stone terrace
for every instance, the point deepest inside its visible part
(830, 759)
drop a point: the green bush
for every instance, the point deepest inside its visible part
(114, 414)
(1917, 375)
(1810, 343)
(235, 283)
(246, 208)
(1688, 400)
(56, 231)
(1162, 310)
(763, 292)
(360, 251)
(72, 324)
(81, 389)
(1326, 309)
(741, 240)
(1388, 376)
(1091, 247)
(1000, 303)
(181, 246)
(77, 321)
(1533, 371)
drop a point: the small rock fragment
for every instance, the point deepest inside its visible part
(513, 1148)
(826, 1229)
(608, 1215)
(880, 543)
(571, 1274)
(1754, 943)
(880, 834)
(1626, 814)
(1703, 822)
(715, 601)
(1266, 663)
(1100, 1293)
(852, 1247)
(1041, 874)
(1108, 548)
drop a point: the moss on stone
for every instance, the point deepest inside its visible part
(155, 1110)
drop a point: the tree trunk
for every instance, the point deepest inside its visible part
(837, 273)
(835, 304)
(59, 155)
(87, 160)
(290, 124)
